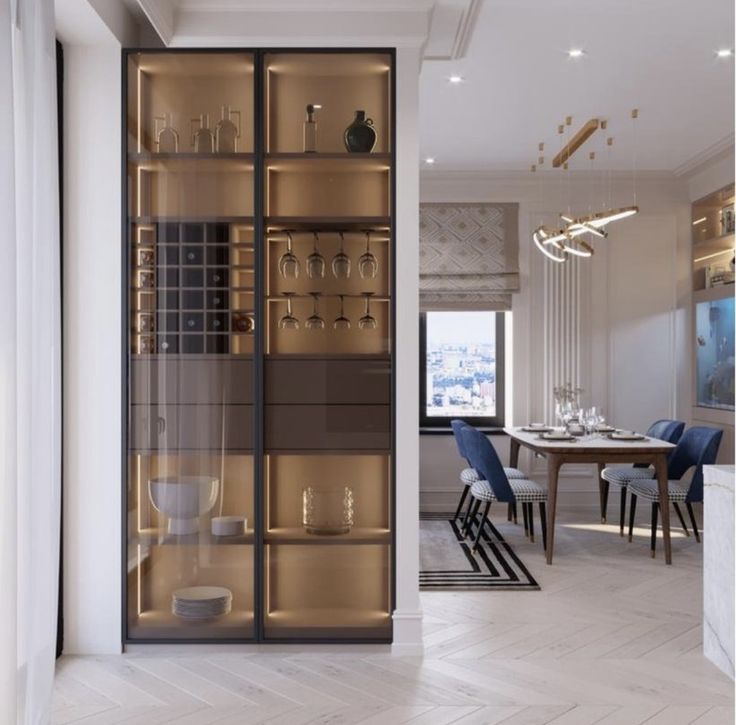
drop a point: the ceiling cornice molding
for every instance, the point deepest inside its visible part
(328, 23)
(451, 28)
(519, 175)
(712, 153)
(160, 14)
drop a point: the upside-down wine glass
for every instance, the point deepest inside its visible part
(315, 321)
(367, 322)
(341, 261)
(289, 264)
(315, 261)
(368, 264)
(341, 322)
(288, 321)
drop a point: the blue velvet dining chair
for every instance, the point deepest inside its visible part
(468, 476)
(495, 485)
(698, 447)
(622, 476)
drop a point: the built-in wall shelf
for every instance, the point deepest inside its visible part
(354, 537)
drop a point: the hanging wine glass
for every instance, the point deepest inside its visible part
(315, 321)
(341, 261)
(315, 262)
(367, 322)
(341, 322)
(368, 264)
(289, 264)
(288, 321)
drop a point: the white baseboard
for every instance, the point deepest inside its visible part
(407, 634)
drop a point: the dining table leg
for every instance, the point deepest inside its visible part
(514, 447)
(554, 462)
(660, 467)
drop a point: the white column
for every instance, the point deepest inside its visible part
(407, 615)
(92, 349)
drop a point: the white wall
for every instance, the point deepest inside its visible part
(634, 310)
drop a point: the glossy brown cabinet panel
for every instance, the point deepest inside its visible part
(327, 427)
(191, 381)
(192, 427)
(330, 382)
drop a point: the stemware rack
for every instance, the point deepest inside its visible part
(218, 390)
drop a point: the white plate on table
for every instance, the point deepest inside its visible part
(537, 428)
(626, 435)
(556, 436)
(605, 429)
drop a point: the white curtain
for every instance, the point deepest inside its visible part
(30, 360)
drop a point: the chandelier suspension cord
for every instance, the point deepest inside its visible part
(634, 117)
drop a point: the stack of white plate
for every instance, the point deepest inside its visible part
(201, 602)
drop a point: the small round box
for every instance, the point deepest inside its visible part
(229, 525)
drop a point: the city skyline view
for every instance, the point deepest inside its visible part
(461, 364)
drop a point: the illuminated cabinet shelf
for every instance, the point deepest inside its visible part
(259, 292)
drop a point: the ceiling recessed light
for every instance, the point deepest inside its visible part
(724, 53)
(429, 160)
(575, 52)
(455, 79)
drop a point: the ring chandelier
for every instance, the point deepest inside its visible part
(560, 244)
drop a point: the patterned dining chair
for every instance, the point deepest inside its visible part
(622, 476)
(698, 447)
(468, 476)
(495, 485)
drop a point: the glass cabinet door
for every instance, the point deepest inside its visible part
(192, 320)
(327, 499)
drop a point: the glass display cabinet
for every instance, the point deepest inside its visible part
(259, 486)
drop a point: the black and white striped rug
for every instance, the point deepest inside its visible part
(447, 561)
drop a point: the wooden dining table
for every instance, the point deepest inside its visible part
(600, 450)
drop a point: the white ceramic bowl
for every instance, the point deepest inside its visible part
(183, 499)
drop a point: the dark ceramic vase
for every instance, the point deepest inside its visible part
(360, 136)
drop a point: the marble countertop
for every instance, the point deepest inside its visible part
(722, 476)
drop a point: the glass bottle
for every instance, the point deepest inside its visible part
(203, 140)
(310, 129)
(226, 132)
(167, 139)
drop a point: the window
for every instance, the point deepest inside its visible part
(461, 368)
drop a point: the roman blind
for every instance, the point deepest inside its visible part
(468, 255)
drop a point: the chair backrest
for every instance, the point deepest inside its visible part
(698, 447)
(457, 428)
(485, 460)
(664, 430)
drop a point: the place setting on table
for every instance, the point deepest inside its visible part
(584, 436)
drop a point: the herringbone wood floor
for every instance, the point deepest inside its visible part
(613, 638)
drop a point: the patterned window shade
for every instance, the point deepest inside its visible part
(468, 256)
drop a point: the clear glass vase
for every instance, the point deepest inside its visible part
(327, 511)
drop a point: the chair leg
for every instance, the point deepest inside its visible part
(470, 518)
(483, 520)
(632, 513)
(509, 512)
(679, 516)
(513, 509)
(526, 519)
(460, 504)
(543, 521)
(692, 520)
(603, 491)
(466, 518)
(530, 509)
(653, 542)
(622, 506)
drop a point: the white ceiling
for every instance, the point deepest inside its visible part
(654, 55)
